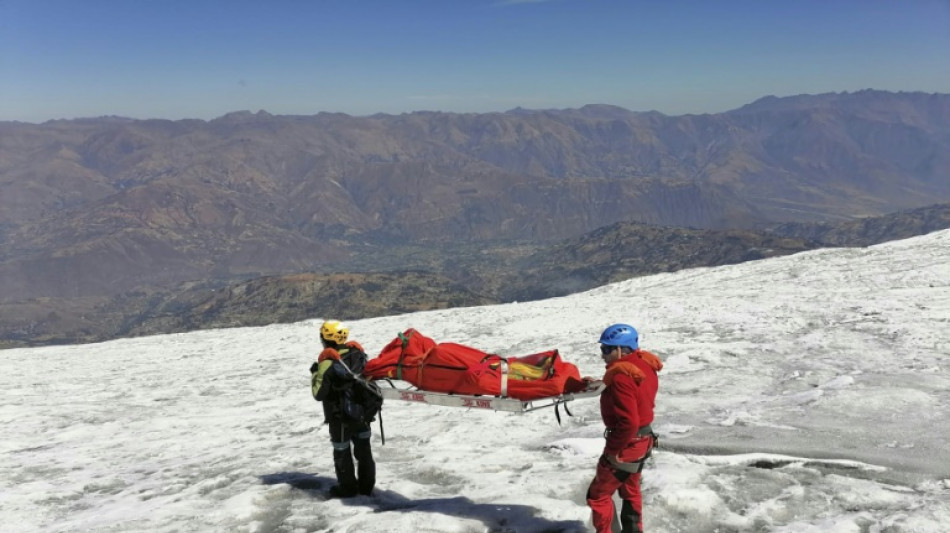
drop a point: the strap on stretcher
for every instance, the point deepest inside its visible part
(494, 403)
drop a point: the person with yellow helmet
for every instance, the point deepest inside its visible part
(333, 379)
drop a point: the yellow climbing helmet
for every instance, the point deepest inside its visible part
(334, 331)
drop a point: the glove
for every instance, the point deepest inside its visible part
(313, 367)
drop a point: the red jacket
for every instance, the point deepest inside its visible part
(627, 403)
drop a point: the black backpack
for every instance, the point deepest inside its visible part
(362, 399)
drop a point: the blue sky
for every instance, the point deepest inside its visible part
(204, 58)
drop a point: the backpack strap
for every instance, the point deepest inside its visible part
(361, 379)
(382, 434)
(402, 353)
(343, 363)
(404, 337)
(354, 353)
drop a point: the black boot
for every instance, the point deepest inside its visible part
(367, 466)
(629, 518)
(345, 474)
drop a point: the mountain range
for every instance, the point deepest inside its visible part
(113, 226)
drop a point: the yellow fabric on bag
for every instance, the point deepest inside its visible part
(526, 372)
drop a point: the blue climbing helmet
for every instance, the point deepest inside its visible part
(620, 335)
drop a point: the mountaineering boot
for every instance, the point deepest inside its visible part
(630, 519)
(345, 474)
(337, 491)
(367, 466)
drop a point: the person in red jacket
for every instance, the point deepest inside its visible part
(626, 407)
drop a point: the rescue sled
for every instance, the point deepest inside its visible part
(420, 370)
(410, 393)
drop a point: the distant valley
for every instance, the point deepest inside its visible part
(112, 227)
(435, 278)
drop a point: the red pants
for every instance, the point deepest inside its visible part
(600, 499)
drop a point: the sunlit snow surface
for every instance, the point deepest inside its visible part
(802, 394)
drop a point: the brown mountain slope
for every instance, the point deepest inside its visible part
(118, 216)
(261, 301)
(100, 206)
(297, 297)
(470, 275)
(873, 230)
(625, 250)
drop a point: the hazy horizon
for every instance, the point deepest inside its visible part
(62, 60)
(502, 111)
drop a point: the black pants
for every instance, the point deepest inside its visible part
(359, 479)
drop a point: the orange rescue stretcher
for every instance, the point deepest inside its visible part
(418, 369)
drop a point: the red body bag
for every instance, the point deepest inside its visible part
(458, 369)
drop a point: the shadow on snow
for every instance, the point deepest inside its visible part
(497, 517)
